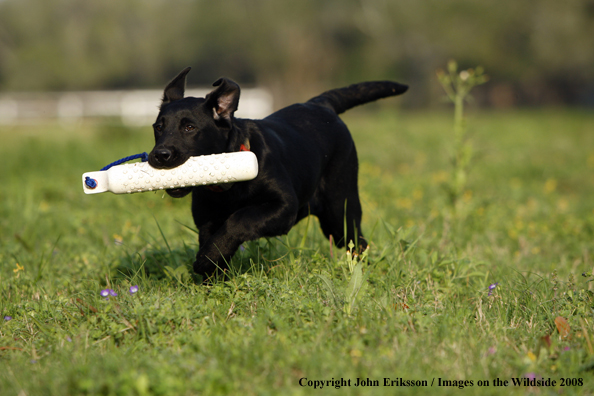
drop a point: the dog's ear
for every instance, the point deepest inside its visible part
(175, 89)
(223, 100)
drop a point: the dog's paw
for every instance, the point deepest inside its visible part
(179, 192)
(204, 267)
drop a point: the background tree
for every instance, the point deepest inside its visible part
(537, 52)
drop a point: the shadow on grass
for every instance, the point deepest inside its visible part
(155, 263)
(175, 263)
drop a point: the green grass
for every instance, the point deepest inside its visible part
(526, 221)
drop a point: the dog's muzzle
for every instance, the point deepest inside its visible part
(165, 158)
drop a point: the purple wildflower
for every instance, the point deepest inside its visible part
(108, 292)
(531, 376)
(133, 289)
(7, 318)
(492, 287)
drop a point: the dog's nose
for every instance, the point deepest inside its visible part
(163, 155)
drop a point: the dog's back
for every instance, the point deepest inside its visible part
(312, 120)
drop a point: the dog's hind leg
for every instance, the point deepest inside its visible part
(334, 219)
(341, 206)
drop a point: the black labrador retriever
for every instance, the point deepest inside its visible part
(306, 157)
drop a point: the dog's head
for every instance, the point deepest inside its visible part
(187, 127)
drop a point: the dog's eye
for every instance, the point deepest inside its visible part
(189, 128)
(158, 127)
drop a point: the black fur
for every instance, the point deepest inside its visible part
(306, 156)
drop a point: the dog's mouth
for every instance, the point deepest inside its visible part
(166, 159)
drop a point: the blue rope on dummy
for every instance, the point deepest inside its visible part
(144, 157)
(92, 183)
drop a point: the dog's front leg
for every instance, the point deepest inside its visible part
(246, 224)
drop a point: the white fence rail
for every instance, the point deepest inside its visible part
(135, 108)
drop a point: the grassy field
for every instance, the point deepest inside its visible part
(289, 318)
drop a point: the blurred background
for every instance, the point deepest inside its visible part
(537, 53)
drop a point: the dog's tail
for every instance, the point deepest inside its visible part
(342, 99)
